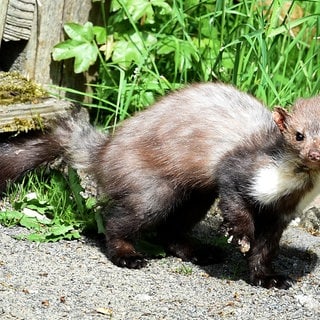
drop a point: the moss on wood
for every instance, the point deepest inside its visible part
(24, 105)
(15, 88)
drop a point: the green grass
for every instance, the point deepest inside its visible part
(50, 206)
(147, 48)
(152, 47)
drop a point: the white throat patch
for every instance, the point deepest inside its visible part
(275, 181)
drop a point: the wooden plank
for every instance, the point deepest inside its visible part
(34, 59)
(3, 13)
(19, 20)
(23, 117)
(46, 33)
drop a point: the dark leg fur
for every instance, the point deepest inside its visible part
(171, 220)
(122, 228)
(262, 233)
(264, 250)
(173, 233)
(130, 214)
(238, 222)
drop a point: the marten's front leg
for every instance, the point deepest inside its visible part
(238, 223)
(263, 251)
(258, 240)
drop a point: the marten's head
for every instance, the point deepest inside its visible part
(301, 129)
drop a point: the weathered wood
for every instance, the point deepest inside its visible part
(32, 57)
(19, 20)
(23, 117)
(46, 33)
(24, 105)
(3, 13)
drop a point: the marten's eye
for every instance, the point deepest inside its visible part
(299, 136)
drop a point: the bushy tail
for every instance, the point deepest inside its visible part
(80, 141)
(23, 153)
(73, 138)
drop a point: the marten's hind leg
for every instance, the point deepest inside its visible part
(121, 229)
(130, 215)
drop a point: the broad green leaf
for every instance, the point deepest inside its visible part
(81, 46)
(133, 50)
(87, 56)
(65, 50)
(185, 54)
(139, 8)
(58, 230)
(116, 5)
(167, 45)
(166, 9)
(100, 34)
(7, 216)
(36, 237)
(91, 202)
(51, 237)
(41, 210)
(30, 223)
(125, 53)
(78, 32)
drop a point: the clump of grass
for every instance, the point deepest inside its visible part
(50, 206)
(184, 269)
(269, 48)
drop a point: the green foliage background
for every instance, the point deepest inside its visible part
(148, 47)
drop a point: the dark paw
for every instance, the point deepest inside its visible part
(272, 281)
(131, 261)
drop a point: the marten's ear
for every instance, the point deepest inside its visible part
(280, 116)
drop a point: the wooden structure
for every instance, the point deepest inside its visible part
(30, 28)
(26, 116)
(25, 105)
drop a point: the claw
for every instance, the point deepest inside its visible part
(230, 239)
(244, 244)
(134, 261)
(273, 281)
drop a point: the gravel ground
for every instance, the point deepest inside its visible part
(75, 280)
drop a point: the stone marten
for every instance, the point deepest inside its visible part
(164, 167)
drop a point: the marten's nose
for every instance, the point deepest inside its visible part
(314, 155)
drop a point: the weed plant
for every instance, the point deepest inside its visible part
(50, 206)
(269, 48)
(145, 48)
